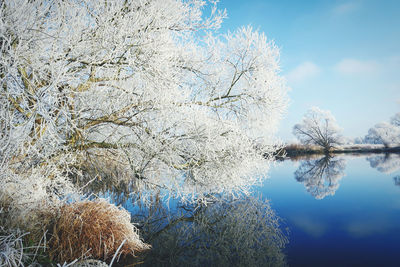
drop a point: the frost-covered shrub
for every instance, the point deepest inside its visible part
(29, 201)
(13, 253)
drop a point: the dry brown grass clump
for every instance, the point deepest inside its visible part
(93, 229)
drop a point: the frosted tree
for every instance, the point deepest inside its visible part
(318, 127)
(395, 120)
(383, 133)
(148, 86)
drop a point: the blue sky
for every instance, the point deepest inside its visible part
(343, 56)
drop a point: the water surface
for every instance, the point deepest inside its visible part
(342, 211)
(324, 211)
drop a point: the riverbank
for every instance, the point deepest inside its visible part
(296, 150)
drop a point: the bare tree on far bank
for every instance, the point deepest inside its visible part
(318, 127)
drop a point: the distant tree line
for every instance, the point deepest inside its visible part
(384, 133)
(319, 127)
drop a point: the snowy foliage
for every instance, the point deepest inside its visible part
(318, 127)
(149, 85)
(148, 88)
(11, 248)
(395, 120)
(358, 140)
(383, 133)
(28, 197)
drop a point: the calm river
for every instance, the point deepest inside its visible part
(343, 211)
(340, 211)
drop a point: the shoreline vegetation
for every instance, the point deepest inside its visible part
(293, 151)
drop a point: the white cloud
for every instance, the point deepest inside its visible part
(354, 66)
(310, 226)
(372, 226)
(345, 8)
(303, 72)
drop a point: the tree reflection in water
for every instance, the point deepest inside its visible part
(227, 232)
(387, 163)
(397, 180)
(241, 232)
(321, 176)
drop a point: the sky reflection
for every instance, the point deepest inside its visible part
(357, 221)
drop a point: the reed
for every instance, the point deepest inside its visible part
(93, 229)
